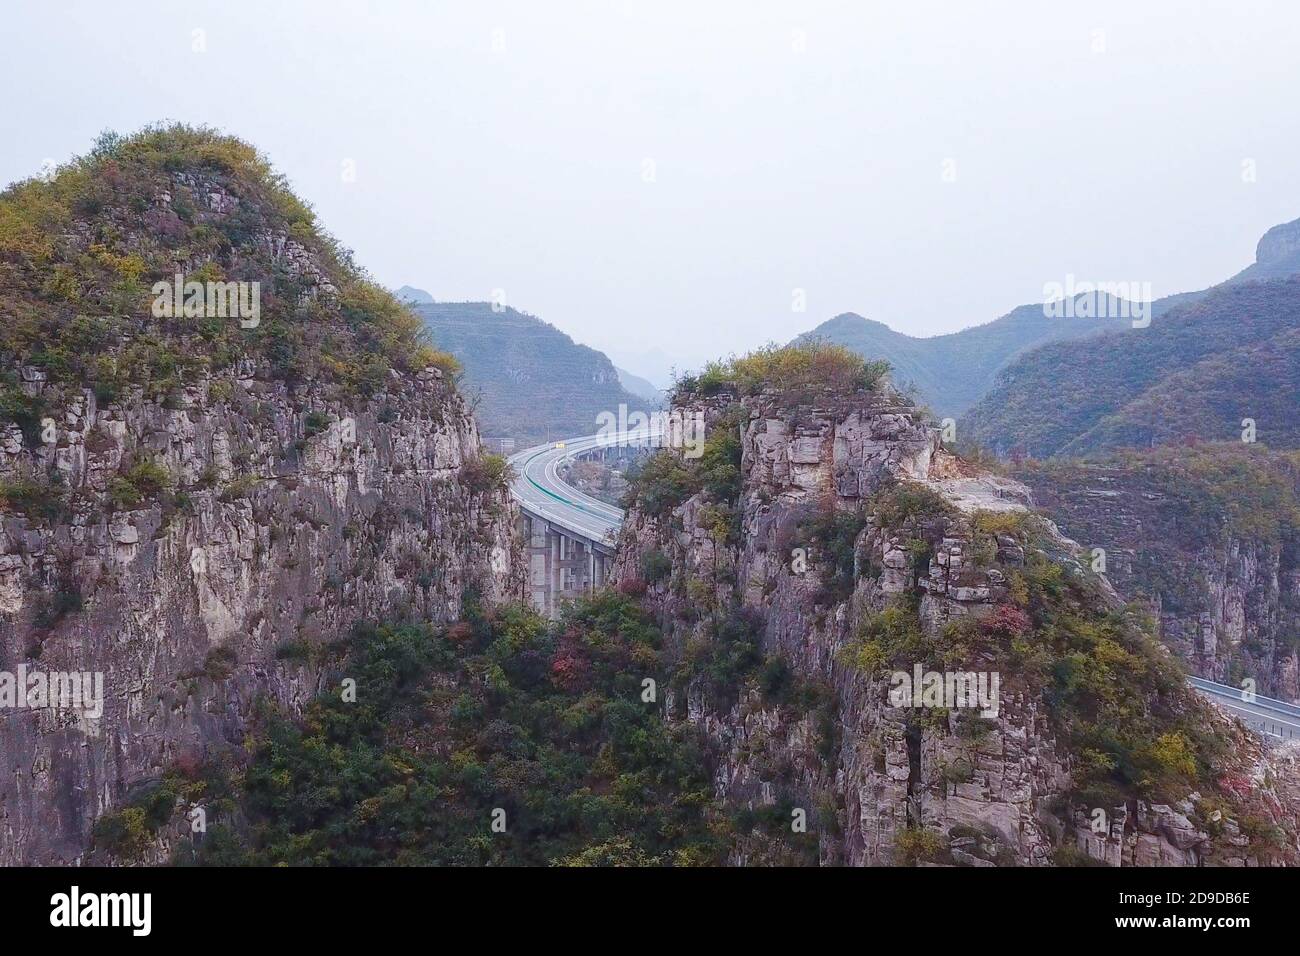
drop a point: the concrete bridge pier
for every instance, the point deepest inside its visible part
(561, 564)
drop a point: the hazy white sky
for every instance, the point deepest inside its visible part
(793, 145)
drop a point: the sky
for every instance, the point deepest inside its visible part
(673, 181)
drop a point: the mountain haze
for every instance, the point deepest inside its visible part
(533, 383)
(1195, 374)
(953, 372)
(639, 386)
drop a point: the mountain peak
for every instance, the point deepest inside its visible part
(1282, 242)
(409, 293)
(150, 235)
(1277, 254)
(846, 321)
(536, 383)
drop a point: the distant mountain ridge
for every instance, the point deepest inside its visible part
(953, 372)
(1226, 358)
(1198, 374)
(1277, 255)
(639, 386)
(412, 295)
(532, 382)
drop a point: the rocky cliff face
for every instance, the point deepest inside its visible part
(880, 782)
(1225, 591)
(194, 610)
(1277, 254)
(194, 510)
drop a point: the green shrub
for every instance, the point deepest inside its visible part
(663, 482)
(315, 423)
(1068, 854)
(655, 566)
(667, 479)
(238, 488)
(37, 500)
(718, 468)
(832, 536)
(893, 638)
(143, 481)
(296, 650)
(1172, 762)
(486, 474)
(124, 833)
(25, 411)
(774, 678)
(725, 660)
(914, 846)
(220, 663)
(791, 369)
(906, 500)
(1013, 523)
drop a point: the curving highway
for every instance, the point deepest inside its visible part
(1273, 718)
(540, 490)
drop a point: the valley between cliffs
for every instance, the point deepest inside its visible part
(230, 518)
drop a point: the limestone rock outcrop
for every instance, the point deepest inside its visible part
(880, 783)
(195, 604)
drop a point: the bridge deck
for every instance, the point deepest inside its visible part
(540, 491)
(1273, 718)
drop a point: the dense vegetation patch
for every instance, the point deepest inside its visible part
(723, 667)
(500, 712)
(1114, 696)
(1166, 505)
(1204, 493)
(1193, 375)
(40, 500)
(791, 371)
(903, 501)
(1232, 488)
(79, 256)
(828, 537)
(487, 473)
(667, 478)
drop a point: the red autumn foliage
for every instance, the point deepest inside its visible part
(1235, 784)
(1007, 621)
(632, 587)
(460, 633)
(189, 763)
(570, 667)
